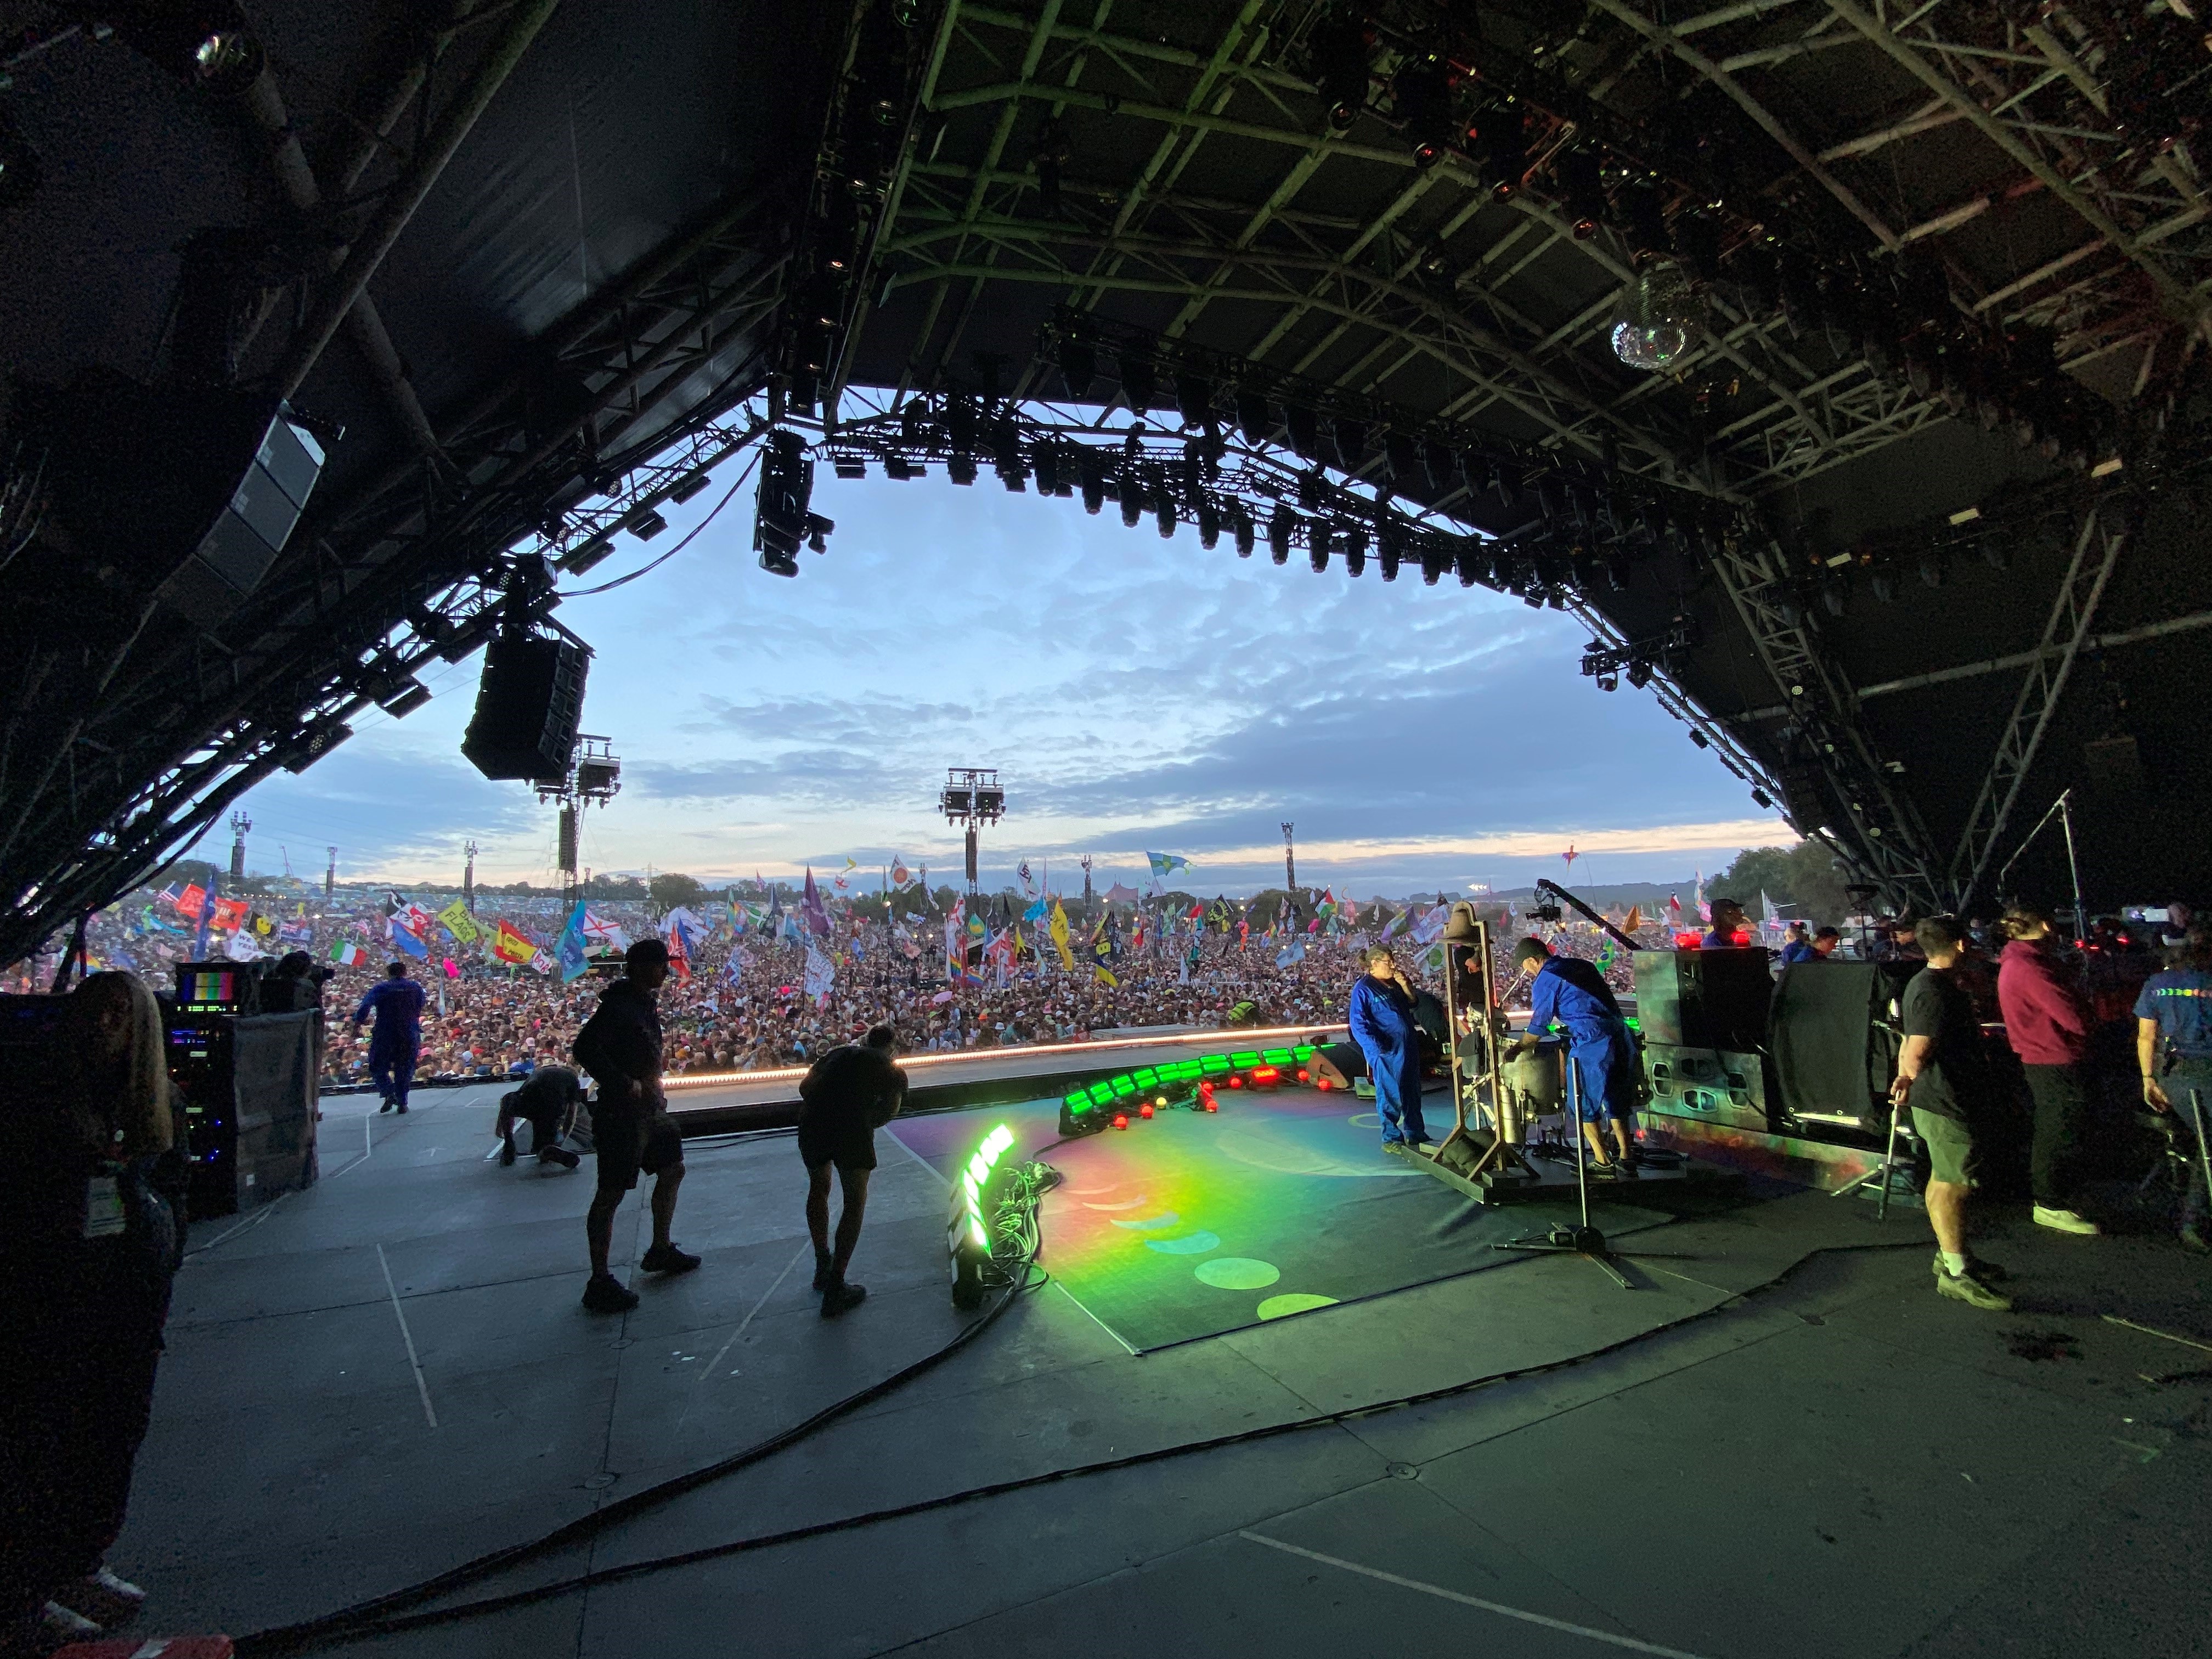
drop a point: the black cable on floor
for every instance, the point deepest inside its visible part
(369, 1616)
(365, 1618)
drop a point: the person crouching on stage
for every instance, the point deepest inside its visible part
(547, 1101)
(1574, 994)
(848, 1095)
(1382, 1021)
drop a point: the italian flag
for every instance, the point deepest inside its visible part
(348, 955)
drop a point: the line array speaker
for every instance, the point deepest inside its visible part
(529, 704)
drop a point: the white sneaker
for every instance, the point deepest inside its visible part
(2066, 1221)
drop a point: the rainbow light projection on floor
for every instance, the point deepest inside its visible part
(1130, 1084)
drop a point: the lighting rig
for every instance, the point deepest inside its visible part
(593, 779)
(1640, 661)
(971, 799)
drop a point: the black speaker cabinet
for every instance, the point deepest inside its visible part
(248, 1088)
(1703, 998)
(529, 704)
(1709, 1085)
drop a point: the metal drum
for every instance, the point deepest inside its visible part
(1534, 1080)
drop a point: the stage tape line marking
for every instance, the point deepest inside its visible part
(408, 1337)
(1498, 1607)
(919, 1158)
(715, 1364)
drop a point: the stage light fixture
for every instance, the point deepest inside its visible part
(1422, 91)
(1240, 528)
(1337, 50)
(1581, 189)
(1469, 567)
(1932, 571)
(1091, 475)
(1700, 739)
(1390, 548)
(1044, 462)
(898, 467)
(1883, 582)
(1253, 418)
(1658, 320)
(1139, 383)
(1193, 398)
(1317, 544)
(1351, 442)
(1761, 799)
(781, 518)
(1403, 454)
(1505, 151)
(1209, 523)
(1608, 682)
(1305, 426)
(1163, 513)
(1438, 462)
(962, 423)
(1278, 535)
(1079, 365)
(1640, 673)
(1355, 550)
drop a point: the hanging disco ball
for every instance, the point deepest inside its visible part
(1658, 320)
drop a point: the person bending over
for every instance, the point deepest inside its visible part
(1382, 1025)
(396, 1040)
(1943, 1074)
(848, 1095)
(547, 1101)
(2048, 1022)
(2174, 1051)
(1572, 993)
(620, 1047)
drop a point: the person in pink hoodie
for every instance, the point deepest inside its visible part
(2048, 1021)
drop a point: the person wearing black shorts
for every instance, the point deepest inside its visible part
(848, 1095)
(620, 1047)
(547, 1101)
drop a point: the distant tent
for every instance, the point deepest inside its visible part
(1117, 894)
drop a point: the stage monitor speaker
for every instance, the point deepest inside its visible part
(1710, 1084)
(1703, 998)
(1834, 1045)
(529, 704)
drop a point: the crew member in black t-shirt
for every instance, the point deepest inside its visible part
(547, 1101)
(848, 1095)
(1943, 1074)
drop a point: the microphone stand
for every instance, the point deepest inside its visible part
(1585, 1240)
(2064, 811)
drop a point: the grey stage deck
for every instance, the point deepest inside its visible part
(1841, 1464)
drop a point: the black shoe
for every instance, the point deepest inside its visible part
(824, 1278)
(402, 1109)
(386, 1108)
(560, 1155)
(607, 1294)
(667, 1259)
(843, 1296)
(506, 1150)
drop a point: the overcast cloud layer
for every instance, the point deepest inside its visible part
(1135, 693)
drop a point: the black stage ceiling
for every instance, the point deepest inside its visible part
(1909, 529)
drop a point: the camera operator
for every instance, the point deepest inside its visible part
(1943, 1074)
(95, 1237)
(2174, 1051)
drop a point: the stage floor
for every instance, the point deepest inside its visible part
(1781, 1441)
(1191, 1223)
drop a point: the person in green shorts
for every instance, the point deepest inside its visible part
(1943, 1075)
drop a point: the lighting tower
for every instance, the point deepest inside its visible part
(593, 779)
(469, 878)
(971, 797)
(239, 825)
(331, 875)
(1289, 861)
(1086, 883)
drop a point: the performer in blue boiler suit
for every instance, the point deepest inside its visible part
(1382, 1020)
(1573, 993)
(397, 1038)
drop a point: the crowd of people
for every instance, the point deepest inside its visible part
(740, 999)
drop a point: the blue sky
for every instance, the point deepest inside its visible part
(1136, 693)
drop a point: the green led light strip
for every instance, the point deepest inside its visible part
(1105, 1093)
(977, 1177)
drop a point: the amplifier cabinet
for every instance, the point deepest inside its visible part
(1703, 998)
(1711, 1085)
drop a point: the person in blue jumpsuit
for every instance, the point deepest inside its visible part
(397, 1036)
(2174, 1051)
(1382, 1020)
(1572, 993)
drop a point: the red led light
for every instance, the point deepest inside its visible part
(1145, 1110)
(1211, 1105)
(1235, 1082)
(1266, 1074)
(1324, 1085)
(1304, 1076)
(1688, 941)
(1121, 1119)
